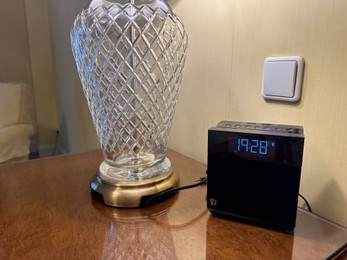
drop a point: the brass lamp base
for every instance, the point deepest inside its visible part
(129, 194)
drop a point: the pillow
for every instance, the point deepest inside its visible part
(15, 141)
(16, 104)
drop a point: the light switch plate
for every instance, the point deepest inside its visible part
(282, 79)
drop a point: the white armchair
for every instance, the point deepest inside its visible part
(16, 121)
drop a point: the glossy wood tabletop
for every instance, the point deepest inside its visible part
(47, 211)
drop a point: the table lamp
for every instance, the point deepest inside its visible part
(130, 56)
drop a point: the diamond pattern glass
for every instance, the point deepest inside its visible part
(130, 55)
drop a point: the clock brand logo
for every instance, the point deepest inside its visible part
(213, 202)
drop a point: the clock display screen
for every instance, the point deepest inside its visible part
(255, 146)
(259, 147)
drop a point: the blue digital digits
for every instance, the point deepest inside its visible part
(253, 146)
(263, 147)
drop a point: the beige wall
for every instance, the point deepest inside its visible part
(77, 131)
(228, 41)
(14, 48)
(223, 77)
(25, 56)
(42, 69)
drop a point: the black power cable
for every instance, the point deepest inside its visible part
(159, 196)
(306, 202)
(56, 143)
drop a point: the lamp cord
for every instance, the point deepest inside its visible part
(151, 199)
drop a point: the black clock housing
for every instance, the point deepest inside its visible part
(254, 172)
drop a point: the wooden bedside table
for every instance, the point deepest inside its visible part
(47, 211)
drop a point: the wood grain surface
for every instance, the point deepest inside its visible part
(47, 211)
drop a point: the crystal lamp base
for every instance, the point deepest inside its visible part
(118, 190)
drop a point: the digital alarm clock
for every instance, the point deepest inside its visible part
(254, 172)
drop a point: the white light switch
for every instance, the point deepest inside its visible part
(283, 78)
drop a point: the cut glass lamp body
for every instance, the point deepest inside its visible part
(130, 55)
